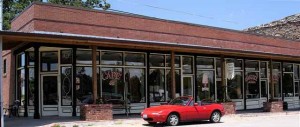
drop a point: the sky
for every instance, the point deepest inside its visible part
(231, 14)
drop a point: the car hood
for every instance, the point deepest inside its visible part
(162, 107)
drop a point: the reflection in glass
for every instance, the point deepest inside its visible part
(187, 86)
(135, 79)
(206, 85)
(297, 89)
(297, 72)
(157, 85)
(21, 60)
(50, 95)
(84, 87)
(135, 59)
(111, 58)
(287, 67)
(263, 69)
(66, 56)
(288, 85)
(66, 85)
(49, 61)
(177, 61)
(234, 86)
(177, 84)
(31, 86)
(219, 68)
(187, 65)
(238, 64)
(31, 59)
(205, 63)
(276, 77)
(264, 89)
(21, 85)
(157, 60)
(85, 57)
(112, 85)
(252, 85)
(251, 65)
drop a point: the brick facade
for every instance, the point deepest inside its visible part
(8, 80)
(61, 19)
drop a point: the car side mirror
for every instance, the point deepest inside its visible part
(196, 104)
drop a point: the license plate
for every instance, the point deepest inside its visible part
(145, 116)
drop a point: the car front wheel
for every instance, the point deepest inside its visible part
(173, 119)
(215, 117)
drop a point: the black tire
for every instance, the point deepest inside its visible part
(215, 117)
(151, 123)
(173, 119)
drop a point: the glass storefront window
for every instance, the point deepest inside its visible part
(113, 85)
(297, 72)
(21, 85)
(287, 67)
(251, 65)
(135, 79)
(157, 85)
(157, 60)
(187, 65)
(234, 86)
(85, 57)
(20, 60)
(31, 59)
(135, 59)
(252, 85)
(206, 85)
(205, 63)
(49, 61)
(288, 85)
(238, 64)
(276, 77)
(31, 86)
(297, 89)
(66, 85)
(177, 61)
(263, 69)
(84, 88)
(66, 57)
(112, 58)
(177, 84)
(219, 68)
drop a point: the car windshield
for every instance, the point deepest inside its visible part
(180, 101)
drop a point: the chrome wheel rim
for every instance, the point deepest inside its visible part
(174, 120)
(216, 117)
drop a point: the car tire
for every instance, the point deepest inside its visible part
(215, 117)
(173, 119)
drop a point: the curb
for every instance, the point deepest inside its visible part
(268, 114)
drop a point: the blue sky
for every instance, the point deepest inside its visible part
(231, 14)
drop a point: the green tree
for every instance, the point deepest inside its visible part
(11, 8)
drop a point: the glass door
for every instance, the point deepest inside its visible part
(187, 86)
(263, 88)
(50, 99)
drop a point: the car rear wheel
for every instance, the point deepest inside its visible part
(215, 117)
(173, 119)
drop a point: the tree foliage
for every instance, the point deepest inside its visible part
(11, 8)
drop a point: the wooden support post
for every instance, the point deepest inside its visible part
(94, 73)
(26, 85)
(271, 80)
(36, 83)
(74, 101)
(173, 80)
(223, 67)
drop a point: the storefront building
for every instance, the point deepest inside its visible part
(63, 57)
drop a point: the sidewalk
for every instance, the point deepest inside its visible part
(131, 121)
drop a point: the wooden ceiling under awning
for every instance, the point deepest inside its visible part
(13, 39)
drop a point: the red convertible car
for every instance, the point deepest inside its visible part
(183, 109)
